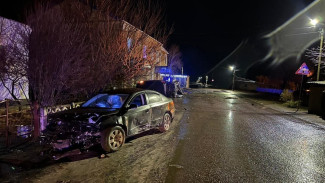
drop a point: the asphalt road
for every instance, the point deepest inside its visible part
(224, 138)
(215, 137)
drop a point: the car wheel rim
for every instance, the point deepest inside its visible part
(116, 139)
(166, 122)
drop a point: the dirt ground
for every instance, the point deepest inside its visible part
(142, 159)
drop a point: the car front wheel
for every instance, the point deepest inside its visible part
(112, 139)
(165, 124)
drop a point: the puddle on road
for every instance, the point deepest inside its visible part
(222, 91)
(183, 126)
(185, 100)
(225, 91)
(235, 103)
(230, 97)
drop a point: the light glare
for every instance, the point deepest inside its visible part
(314, 22)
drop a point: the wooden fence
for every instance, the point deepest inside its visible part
(15, 122)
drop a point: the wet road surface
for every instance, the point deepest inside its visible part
(224, 138)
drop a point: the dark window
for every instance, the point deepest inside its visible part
(153, 97)
(139, 100)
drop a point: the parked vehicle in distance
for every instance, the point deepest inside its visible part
(109, 118)
(157, 85)
(196, 85)
(169, 89)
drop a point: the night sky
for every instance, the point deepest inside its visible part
(207, 31)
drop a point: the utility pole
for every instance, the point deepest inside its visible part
(233, 79)
(320, 51)
(206, 81)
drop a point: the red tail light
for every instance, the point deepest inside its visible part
(171, 105)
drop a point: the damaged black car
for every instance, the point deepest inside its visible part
(108, 119)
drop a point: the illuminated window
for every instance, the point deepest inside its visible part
(129, 42)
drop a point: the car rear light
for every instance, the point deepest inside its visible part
(171, 105)
(141, 82)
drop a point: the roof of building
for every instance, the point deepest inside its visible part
(150, 37)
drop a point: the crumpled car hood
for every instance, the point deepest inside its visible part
(82, 114)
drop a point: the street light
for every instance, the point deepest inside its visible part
(233, 69)
(315, 22)
(206, 81)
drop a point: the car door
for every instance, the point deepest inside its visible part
(139, 116)
(156, 105)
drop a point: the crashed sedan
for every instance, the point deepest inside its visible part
(109, 118)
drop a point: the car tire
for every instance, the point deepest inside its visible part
(165, 124)
(112, 139)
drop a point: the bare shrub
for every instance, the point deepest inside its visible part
(286, 95)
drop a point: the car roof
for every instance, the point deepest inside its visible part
(128, 91)
(152, 81)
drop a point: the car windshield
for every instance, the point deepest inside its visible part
(106, 101)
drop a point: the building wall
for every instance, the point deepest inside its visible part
(154, 54)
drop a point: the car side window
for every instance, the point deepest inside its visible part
(154, 97)
(139, 100)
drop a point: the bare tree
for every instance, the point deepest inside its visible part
(77, 49)
(3, 57)
(313, 54)
(175, 59)
(134, 43)
(122, 38)
(13, 55)
(57, 55)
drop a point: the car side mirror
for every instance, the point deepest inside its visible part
(132, 106)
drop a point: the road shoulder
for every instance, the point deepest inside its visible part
(301, 113)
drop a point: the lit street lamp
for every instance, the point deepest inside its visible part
(233, 69)
(315, 22)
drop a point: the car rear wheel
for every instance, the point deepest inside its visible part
(165, 124)
(112, 139)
